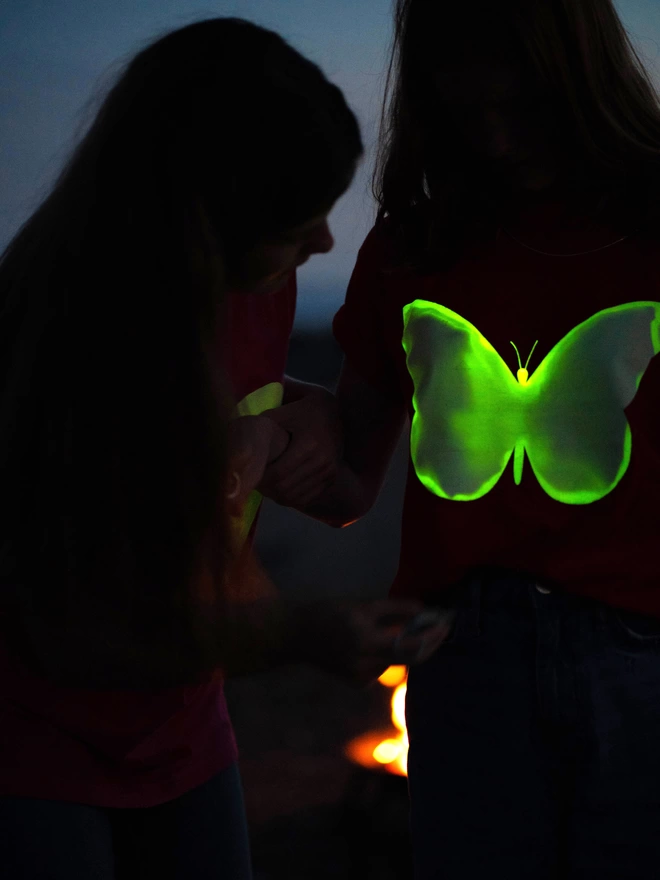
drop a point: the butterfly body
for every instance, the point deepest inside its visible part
(472, 413)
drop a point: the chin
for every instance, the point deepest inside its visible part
(268, 285)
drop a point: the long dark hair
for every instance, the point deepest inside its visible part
(580, 55)
(112, 402)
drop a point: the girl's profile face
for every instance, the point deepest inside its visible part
(504, 122)
(266, 265)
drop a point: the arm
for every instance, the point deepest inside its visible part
(99, 649)
(354, 640)
(371, 422)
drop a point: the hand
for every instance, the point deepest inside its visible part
(252, 442)
(310, 463)
(359, 640)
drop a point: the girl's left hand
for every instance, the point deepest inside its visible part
(309, 464)
(253, 442)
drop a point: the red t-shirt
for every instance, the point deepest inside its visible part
(136, 748)
(608, 548)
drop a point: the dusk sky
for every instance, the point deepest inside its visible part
(54, 54)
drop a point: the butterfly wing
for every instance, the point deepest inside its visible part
(468, 407)
(577, 437)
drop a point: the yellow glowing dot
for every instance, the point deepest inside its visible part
(522, 373)
(393, 676)
(387, 751)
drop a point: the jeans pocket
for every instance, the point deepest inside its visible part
(635, 631)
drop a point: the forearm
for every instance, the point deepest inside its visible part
(240, 639)
(359, 428)
(279, 631)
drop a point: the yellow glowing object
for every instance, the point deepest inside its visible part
(387, 751)
(385, 748)
(393, 676)
(522, 373)
(267, 397)
(399, 707)
(394, 752)
(567, 418)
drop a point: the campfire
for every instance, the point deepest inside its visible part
(386, 749)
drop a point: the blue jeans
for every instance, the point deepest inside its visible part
(201, 835)
(535, 740)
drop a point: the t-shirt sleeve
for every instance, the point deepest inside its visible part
(361, 324)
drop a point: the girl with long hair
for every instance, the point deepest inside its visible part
(518, 186)
(145, 311)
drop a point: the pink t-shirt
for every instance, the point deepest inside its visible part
(137, 748)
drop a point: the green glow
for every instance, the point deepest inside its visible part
(267, 397)
(522, 373)
(567, 418)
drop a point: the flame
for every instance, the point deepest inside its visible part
(399, 708)
(376, 749)
(393, 676)
(393, 752)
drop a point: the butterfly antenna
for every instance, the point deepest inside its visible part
(518, 353)
(530, 354)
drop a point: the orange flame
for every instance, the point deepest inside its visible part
(376, 749)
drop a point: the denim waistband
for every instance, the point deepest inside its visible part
(499, 588)
(503, 584)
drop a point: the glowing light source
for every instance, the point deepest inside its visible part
(399, 707)
(267, 397)
(522, 373)
(567, 418)
(393, 676)
(387, 750)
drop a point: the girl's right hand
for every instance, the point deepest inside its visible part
(358, 640)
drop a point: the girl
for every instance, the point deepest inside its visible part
(147, 302)
(518, 192)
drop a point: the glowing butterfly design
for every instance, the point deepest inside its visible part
(471, 414)
(267, 397)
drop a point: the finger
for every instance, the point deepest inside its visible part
(418, 649)
(290, 461)
(279, 444)
(434, 639)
